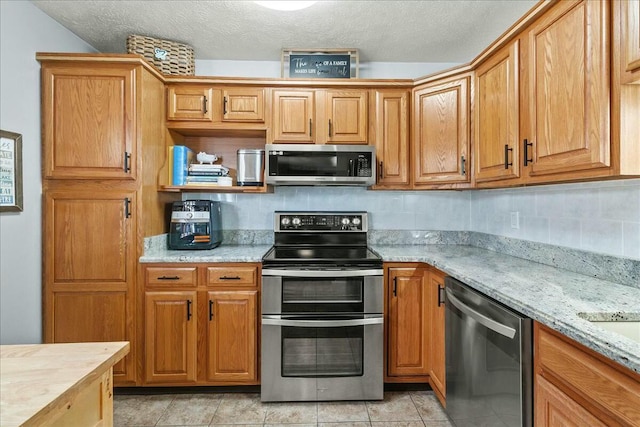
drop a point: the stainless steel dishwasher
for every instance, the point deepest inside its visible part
(489, 360)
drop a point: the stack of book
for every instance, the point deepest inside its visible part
(203, 173)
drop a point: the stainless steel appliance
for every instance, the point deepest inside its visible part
(488, 360)
(322, 310)
(320, 164)
(250, 167)
(195, 224)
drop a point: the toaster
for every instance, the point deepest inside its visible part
(195, 224)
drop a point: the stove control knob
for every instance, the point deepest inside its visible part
(296, 221)
(356, 221)
(285, 221)
(345, 221)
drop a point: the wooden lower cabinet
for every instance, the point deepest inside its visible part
(437, 361)
(170, 337)
(575, 386)
(201, 324)
(408, 318)
(232, 335)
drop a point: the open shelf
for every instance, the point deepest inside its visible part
(216, 188)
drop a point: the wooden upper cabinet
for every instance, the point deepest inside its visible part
(497, 117)
(631, 34)
(170, 337)
(442, 132)
(232, 336)
(89, 121)
(569, 55)
(408, 302)
(392, 137)
(347, 118)
(243, 105)
(193, 103)
(294, 114)
(319, 116)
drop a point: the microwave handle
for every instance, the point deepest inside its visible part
(279, 321)
(351, 168)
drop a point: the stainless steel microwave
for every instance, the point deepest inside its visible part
(320, 164)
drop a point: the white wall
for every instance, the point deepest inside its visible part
(599, 217)
(368, 70)
(25, 30)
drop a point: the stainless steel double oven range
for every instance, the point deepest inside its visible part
(322, 310)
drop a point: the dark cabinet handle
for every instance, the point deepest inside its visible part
(329, 128)
(395, 286)
(210, 310)
(506, 156)
(229, 278)
(204, 105)
(527, 144)
(127, 162)
(189, 309)
(127, 208)
(310, 127)
(440, 300)
(463, 165)
(224, 106)
(169, 278)
(381, 170)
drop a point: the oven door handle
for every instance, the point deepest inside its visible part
(279, 321)
(321, 273)
(487, 322)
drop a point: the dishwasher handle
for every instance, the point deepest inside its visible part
(497, 327)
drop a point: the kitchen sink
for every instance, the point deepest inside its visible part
(625, 325)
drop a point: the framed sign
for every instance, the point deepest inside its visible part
(10, 171)
(320, 64)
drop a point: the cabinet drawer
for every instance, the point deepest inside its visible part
(171, 276)
(612, 390)
(232, 276)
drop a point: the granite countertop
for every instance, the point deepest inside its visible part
(555, 297)
(223, 253)
(39, 379)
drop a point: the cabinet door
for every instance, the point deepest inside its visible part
(243, 105)
(192, 103)
(89, 239)
(232, 336)
(408, 347)
(568, 50)
(631, 34)
(89, 122)
(294, 116)
(92, 317)
(497, 116)
(553, 408)
(170, 337)
(347, 118)
(437, 376)
(442, 133)
(392, 137)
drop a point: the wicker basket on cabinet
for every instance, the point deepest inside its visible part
(168, 56)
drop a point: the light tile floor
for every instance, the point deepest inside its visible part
(398, 409)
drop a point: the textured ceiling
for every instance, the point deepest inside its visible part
(384, 31)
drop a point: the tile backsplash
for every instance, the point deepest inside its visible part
(601, 216)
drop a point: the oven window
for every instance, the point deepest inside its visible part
(313, 295)
(322, 352)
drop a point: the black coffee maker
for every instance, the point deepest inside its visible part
(195, 224)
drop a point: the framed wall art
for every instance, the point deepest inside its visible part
(320, 63)
(10, 171)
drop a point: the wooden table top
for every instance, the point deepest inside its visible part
(37, 379)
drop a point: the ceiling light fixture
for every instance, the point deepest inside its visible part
(286, 5)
